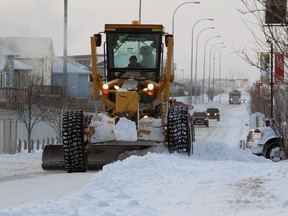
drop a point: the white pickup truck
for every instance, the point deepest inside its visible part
(266, 141)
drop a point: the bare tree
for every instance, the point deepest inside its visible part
(264, 33)
(28, 105)
(260, 99)
(270, 31)
(54, 112)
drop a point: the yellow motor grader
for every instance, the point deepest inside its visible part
(134, 86)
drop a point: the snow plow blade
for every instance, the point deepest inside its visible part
(97, 155)
(53, 157)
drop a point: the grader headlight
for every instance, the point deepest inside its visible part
(105, 88)
(150, 86)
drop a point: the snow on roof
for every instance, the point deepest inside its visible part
(72, 66)
(18, 65)
(27, 47)
(21, 66)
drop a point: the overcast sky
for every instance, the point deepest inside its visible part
(45, 18)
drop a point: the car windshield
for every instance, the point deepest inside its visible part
(212, 110)
(199, 114)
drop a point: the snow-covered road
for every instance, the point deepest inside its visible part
(22, 181)
(218, 179)
(230, 129)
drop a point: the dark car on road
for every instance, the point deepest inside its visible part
(213, 113)
(200, 118)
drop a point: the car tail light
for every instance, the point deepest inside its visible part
(262, 134)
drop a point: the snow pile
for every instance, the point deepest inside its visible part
(125, 130)
(165, 184)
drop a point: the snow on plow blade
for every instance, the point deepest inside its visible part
(97, 156)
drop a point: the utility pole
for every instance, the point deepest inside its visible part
(140, 9)
(65, 80)
(271, 79)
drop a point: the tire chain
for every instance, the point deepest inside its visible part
(73, 134)
(177, 130)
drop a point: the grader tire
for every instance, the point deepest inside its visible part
(179, 134)
(73, 141)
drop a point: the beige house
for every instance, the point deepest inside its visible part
(37, 53)
(21, 71)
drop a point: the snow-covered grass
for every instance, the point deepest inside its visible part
(218, 179)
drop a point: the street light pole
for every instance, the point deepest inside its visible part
(209, 75)
(220, 60)
(196, 55)
(204, 61)
(214, 64)
(192, 57)
(173, 18)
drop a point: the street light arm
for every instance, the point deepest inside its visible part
(208, 19)
(216, 36)
(176, 11)
(203, 31)
(212, 49)
(221, 47)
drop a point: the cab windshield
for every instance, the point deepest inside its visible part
(133, 55)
